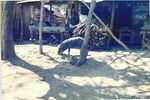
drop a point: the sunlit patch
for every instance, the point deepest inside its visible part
(131, 74)
(131, 91)
(62, 95)
(144, 88)
(119, 65)
(52, 98)
(118, 91)
(20, 82)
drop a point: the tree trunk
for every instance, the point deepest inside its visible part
(84, 50)
(7, 30)
(40, 26)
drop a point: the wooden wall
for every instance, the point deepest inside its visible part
(25, 12)
(16, 23)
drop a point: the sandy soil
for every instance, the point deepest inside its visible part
(32, 76)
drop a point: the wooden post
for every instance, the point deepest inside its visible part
(79, 7)
(149, 13)
(111, 24)
(84, 50)
(21, 15)
(67, 14)
(62, 37)
(143, 40)
(51, 13)
(40, 27)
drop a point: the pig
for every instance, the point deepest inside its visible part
(75, 42)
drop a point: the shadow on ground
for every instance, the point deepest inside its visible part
(62, 89)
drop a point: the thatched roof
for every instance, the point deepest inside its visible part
(54, 1)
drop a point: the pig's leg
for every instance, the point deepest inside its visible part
(68, 51)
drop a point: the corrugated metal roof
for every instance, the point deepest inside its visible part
(32, 1)
(28, 1)
(89, 1)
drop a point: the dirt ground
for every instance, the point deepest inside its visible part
(32, 76)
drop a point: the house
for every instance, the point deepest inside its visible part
(27, 9)
(129, 16)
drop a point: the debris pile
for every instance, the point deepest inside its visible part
(98, 35)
